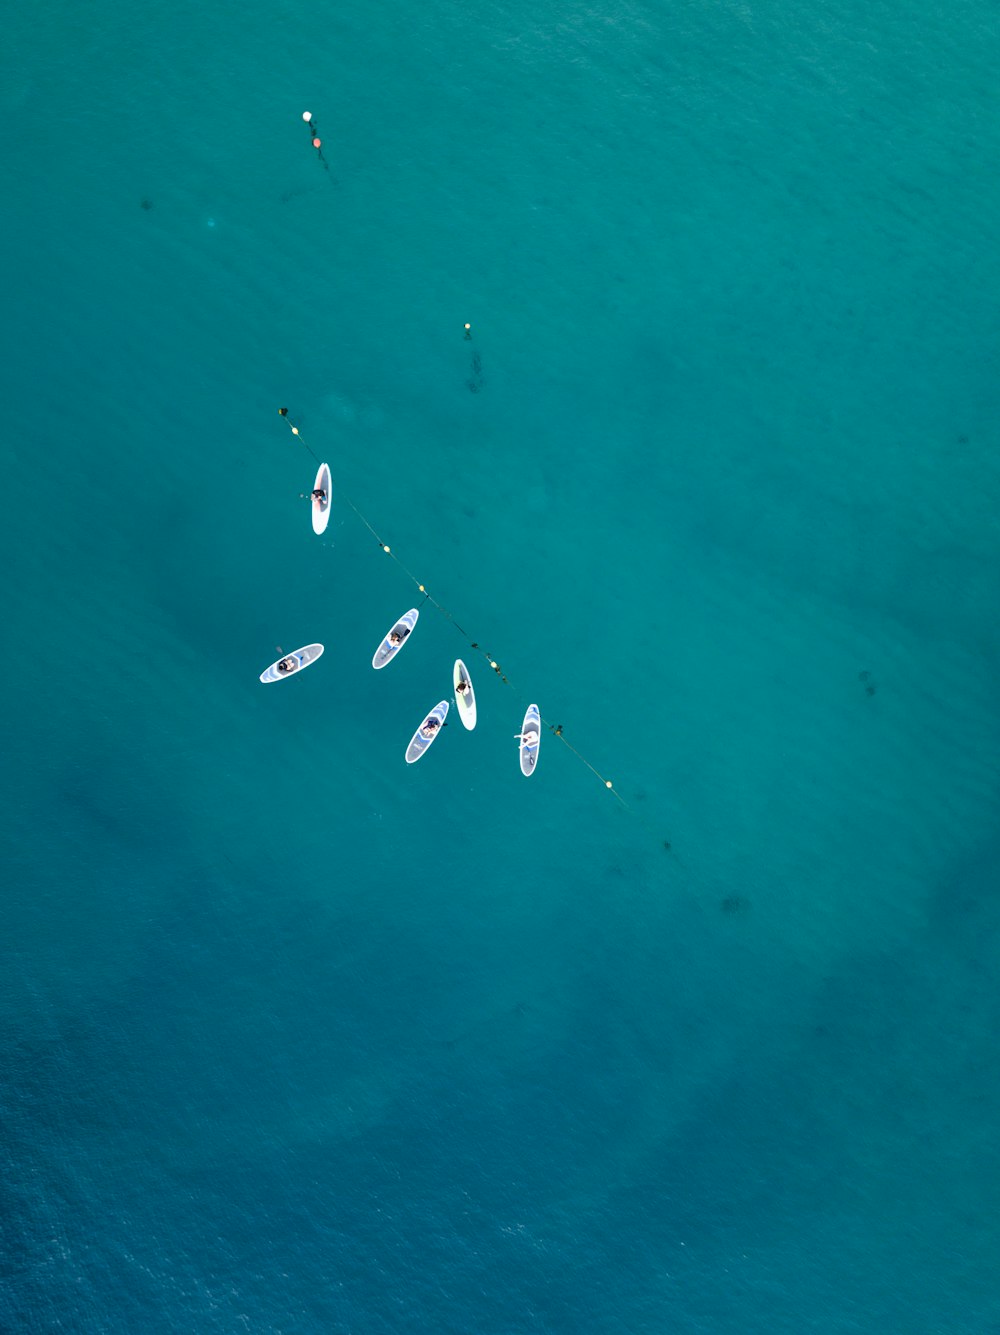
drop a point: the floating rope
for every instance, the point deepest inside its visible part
(317, 142)
(555, 729)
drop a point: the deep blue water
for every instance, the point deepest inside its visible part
(296, 1038)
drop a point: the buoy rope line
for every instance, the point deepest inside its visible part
(317, 142)
(555, 729)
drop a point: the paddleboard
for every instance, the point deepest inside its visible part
(321, 506)
(529, 749)
(419, 743)
(387, 650)
(465, 700)
(295, 662)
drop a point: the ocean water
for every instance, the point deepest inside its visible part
(296, 1038)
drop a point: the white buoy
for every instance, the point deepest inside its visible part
(307, 116)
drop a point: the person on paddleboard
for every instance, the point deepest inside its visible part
(430, 728)
(286, 665)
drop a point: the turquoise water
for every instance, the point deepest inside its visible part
(298, 1038)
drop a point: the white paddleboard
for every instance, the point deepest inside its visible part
(292, 663)
(465, 700)
(321, 504)
(432, 725)
(387, 651)
(529, 738)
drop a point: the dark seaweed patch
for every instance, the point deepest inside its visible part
(733, 904)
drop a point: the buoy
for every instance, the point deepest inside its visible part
(317, 143)
(307, 116)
